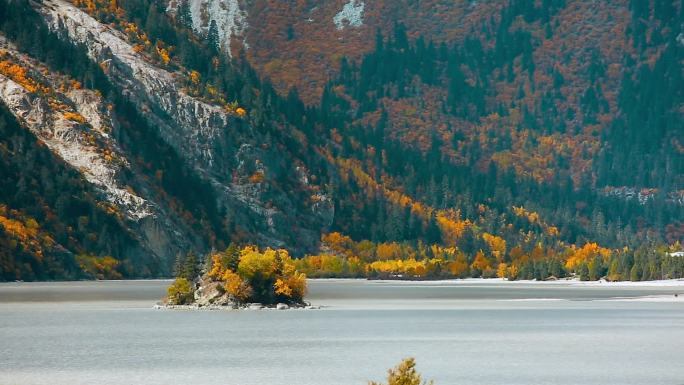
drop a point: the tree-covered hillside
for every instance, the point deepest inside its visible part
(544, 141)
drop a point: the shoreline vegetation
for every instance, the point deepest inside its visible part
(248, 277)
(342, 257)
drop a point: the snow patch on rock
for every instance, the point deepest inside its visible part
(351, 15)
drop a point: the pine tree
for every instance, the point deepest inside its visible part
(213, 39)
(190, 268)
(184, 16)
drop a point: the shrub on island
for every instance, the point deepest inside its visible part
(180, 292)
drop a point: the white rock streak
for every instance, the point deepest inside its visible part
(194, 124)
(230, 19)
(68, 139)
(350, 15)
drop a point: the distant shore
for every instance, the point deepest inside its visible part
(483, 281)
(574, 281)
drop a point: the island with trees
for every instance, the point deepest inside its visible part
(238, 278)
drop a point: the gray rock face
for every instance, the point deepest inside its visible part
(76, 126)
(207, 139)
(228, 16)
(85, 144)
(209, 293)
(189, 125)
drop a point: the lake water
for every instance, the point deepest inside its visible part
(460, 332)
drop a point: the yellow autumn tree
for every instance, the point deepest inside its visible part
(586, 253)
(502, 270)
(497, 245)
(180, 292)
(261, 276)
(236, 286)
(458, 267)
(339, 243)
(390, 250)
(480, 262)
(253, 262)
(404, 374)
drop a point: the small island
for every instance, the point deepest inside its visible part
(238, 278)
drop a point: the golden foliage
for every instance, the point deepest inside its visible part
(459, 266)
(337, 242)
(74, 117)
(448, 221)
(390, 250)
(408, 267)
(281, 288)
(502, 270)
(253, 262)
(19, 75)
(497, 245)
(585, 254)
(194, 77)
(163, 55)
(180, 292)
(480, 263)
(404, 374)
(236, 286)
(18, 229)
(99, 267)
(257, 177)
(255, 267)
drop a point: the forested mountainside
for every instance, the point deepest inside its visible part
(520, 138)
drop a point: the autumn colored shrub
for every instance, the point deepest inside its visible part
(74, 117)
(180, 292)
(404, 374)
(99, 267)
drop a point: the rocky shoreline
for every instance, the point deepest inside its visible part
(248, 306)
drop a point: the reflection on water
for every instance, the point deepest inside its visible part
(466, 332)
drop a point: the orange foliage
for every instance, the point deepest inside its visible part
(497, 245)
(459, 266)
(340, 244)
(19, 75)
(448, 221)
(585, 254)
(388, 251)
(257, 177)
(480, 263)
(163, 55)
(74, 117)
(19, 229)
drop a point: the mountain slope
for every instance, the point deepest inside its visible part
(501, 130)
(200, 167)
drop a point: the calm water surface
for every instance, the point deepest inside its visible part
(466, 332)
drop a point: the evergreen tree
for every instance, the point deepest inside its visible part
(213, 40)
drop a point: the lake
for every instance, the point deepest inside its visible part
(460, 332)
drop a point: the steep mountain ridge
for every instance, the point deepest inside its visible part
(217, 149)
(74, 124)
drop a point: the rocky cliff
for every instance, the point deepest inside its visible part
(243, 181)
